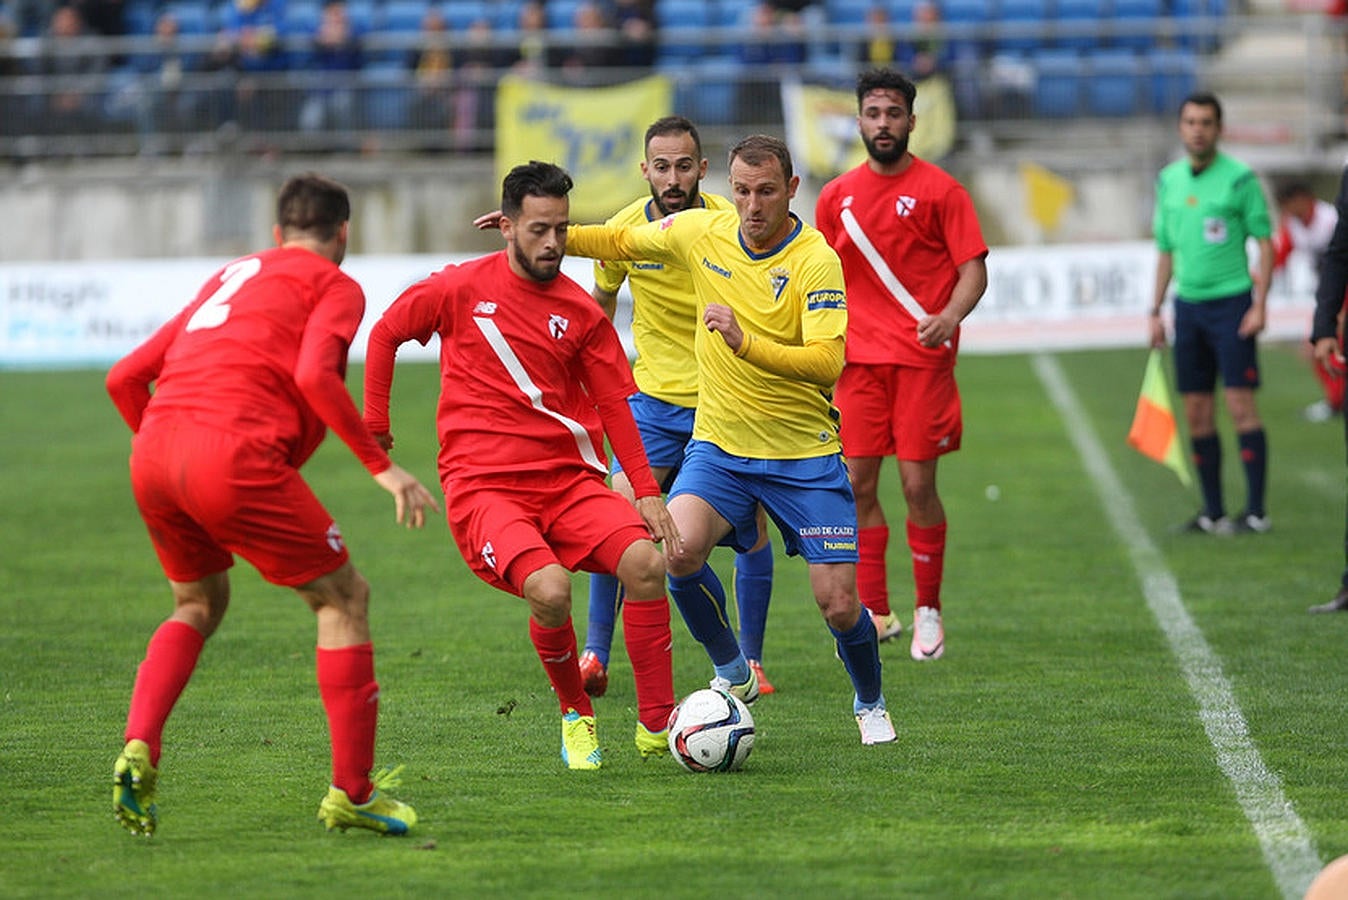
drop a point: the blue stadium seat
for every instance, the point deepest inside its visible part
(1134, 23)
(969, 18)
(402, 15)
(1022, 25)
(561, 14)
(846, 12)
(1078, 23)
(1115, 86)
(460, 14)
(363, 15)
(669, 14)
(504, 15)
(1173, 75)
(386, 95)
(712, 101)
(1198, 23)
(1057, 84)
(139, 16)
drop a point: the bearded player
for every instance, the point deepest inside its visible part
(914, 260)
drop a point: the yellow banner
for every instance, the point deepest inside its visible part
(821, 126)
(594, 133)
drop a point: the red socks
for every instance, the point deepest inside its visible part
(557, 651)
(351, 698)
(872, 579)
(928, 549)
(649, 643)
(170, 659)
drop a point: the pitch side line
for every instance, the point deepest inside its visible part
(1286, 842)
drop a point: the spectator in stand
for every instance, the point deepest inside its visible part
(251, 45)
(532, 56)
(156, 98)
(72, 105)
(635, 20)
(336, 50)
(474, 100)
(432, 65)
(1305, 224)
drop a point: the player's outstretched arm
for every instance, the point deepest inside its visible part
(410, 496)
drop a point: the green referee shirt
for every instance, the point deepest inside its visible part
(1203, 221)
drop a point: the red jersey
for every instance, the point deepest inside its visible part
(901, 239)
(531, 374)
(260, 352)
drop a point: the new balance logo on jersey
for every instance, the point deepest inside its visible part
(489, 555)
(905, 205)
(334, 538)
(558, 325)
(485, 307)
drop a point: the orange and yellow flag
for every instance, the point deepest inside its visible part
(1154, 432)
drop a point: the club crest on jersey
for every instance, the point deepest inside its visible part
(489, 555)
(334, 538)
(905, 205)
(779, 277)
(558, 325)
(847, 201)
(485, 307)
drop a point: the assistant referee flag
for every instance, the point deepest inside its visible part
(1154, 432)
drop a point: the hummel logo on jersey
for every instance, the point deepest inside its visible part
(905, 205)
(779, 278)
(486, 307)
(489, 555)
(558, 325)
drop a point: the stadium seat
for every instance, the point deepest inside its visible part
(1173, 75)
(139, 16)
(561, 14)
(362, 14)
(386, 95)
(682, 14)
(1022, 25)
(1078, 23)
(970, 20)
(1115, 87)
(299, 24)
(846, 12)
(1134, 23)
(1198, 22)
(712, 101)
(402, 15)
(460, 14)
(1057, 83)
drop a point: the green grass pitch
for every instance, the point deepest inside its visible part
(1055, 752)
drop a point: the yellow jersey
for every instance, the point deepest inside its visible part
(773, 399)
(664, 310)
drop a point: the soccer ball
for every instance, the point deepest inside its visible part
(711, 731)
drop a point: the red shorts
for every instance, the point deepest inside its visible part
(508, 530)
(903, 411)
(207, 494)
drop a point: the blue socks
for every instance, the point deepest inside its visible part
(606, 598)
(700, 598)
(859, 648)
(753, 591)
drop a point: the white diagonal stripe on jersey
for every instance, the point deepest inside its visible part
(881, 268)
(506, 355)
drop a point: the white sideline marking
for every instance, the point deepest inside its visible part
(1288, 848)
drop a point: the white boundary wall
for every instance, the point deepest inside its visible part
(89, 313)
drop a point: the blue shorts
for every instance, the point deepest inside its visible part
(665, 431)
(1207, 342)
(810, 499)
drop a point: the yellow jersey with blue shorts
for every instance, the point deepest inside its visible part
(766, 430)
(664, 310)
